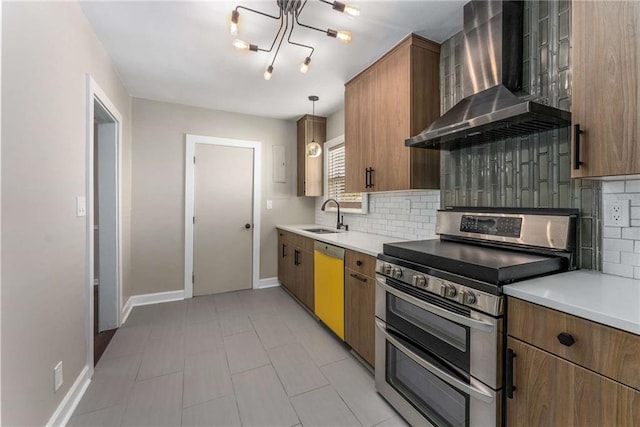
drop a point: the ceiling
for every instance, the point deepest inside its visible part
(181, 51)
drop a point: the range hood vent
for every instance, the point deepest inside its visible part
(492, 73)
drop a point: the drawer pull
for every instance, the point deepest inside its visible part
(358, 263)
(509, 386)
(566, 339)
(355, 276)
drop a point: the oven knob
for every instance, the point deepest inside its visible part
(397, 272)
(468, 298)
(385, 269)
(419, 281)
(448, 291)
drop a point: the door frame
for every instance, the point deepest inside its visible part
(95, 93)
(189, 199)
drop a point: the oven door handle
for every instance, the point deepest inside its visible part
(472, 323)
(472, 391)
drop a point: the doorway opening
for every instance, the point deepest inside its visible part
(222, 215)
(104, 136)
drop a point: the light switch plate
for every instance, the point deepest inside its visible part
(81, 206)
(269, 204)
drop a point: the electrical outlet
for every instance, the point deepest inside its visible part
(269, 204)
(57, 376)
(616, 213)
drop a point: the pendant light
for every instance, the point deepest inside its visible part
(313, 148)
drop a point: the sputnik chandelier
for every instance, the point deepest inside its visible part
(290, 10)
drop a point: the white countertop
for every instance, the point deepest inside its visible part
(603, 298)
(367, 243)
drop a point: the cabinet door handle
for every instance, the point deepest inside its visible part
(358, 263)
(509, 386)
(566, 339)
(355, 276)
(371, 170)
(366, 178)
(284, 253)
(576, 146)
(296, 260)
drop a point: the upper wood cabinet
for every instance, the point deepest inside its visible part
(606, 83)
(310, 168)
(395, 98)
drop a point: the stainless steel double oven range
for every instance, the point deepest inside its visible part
(440, 323)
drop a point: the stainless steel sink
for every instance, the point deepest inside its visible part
(321, 230)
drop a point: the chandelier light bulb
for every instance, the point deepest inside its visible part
(344, 36)
(304, 67)
(346, 8)
(242, 45)
(351, 10)
(268, 72)
(233, 25)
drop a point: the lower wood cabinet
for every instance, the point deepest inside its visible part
(359, 304)
(550, 391)
(569, 371)
(295, 273)
(295, 266)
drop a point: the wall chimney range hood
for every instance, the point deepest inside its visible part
(492, 72)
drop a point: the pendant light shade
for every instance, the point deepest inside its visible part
(313, 148)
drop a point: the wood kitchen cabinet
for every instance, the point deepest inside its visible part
(570, 371)
(395, 98)
(359, 304)
(310, 169)
(295, 266)
(606, 82)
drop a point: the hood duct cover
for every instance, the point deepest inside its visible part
(492, 71)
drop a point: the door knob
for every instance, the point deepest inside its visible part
(247, 226)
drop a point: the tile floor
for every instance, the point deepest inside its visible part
(248, 358)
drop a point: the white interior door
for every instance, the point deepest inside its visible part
(223, 216)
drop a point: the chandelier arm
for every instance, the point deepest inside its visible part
(299, 44)
(260, 13)
(281, 40)
(307, 26)
(277, 35)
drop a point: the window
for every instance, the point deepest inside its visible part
(334, 183)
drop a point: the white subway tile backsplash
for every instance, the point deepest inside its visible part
(628, 258)
(618, 269)
(631, 233)
(612, 232)
(617, 245)
(613, 187)
(621, 245)
(406, 215)
(631, 186)
(611, 256)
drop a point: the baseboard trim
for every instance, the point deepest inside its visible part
(146, 299)
(68, 405)
(270, 282)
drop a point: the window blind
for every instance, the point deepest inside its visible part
(336, 180)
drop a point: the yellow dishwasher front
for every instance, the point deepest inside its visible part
(328, 281)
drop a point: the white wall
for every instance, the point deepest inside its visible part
(158, 186)
(621, 245)
(47, 48)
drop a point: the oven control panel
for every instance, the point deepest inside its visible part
(505, 226)
(461, 294)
